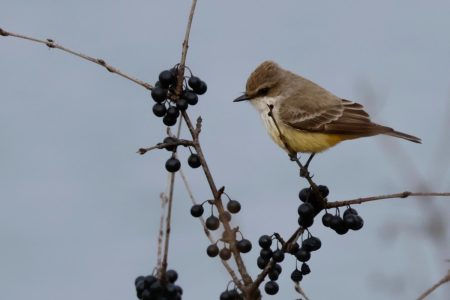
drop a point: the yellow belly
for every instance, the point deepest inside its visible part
(302, 141)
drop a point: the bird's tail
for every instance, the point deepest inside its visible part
(404, 136)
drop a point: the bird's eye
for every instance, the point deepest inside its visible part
(263, 91)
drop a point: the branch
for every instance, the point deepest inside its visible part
(444, 279)
(50, 43)
(405, 194)
(178, 142)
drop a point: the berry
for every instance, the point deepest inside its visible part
(190, 97)
(212, 223)
(358, 224)
(350, 220)
(312, 244)
(171, 276)
(159, 110)
(173, 165)
(167, 78)
(350, 211)
(202, 88)
(173, 112)
(171, 289)
(304, 194)
(149, 280)
(233, 206)
(305, 222)
(326, 219)
(197, 210)
(278, 268)
(140, 287)
(225, 253)
(278, 255)
(225, 296)
(244, 246)
(266, 253)
(335, 222)
(305, 269)
(273, 275)
(182, 104)
(169, 121)
(212, 250)
(296, 275)
(293, 248)
(271, 287)
(194, 161)
(156, 287)
(261, 262)
(159, 94)
(146, 295)
(303, 255)
(324, 191)
(194, 82)
(170, 140)
(265, 241)
(138, 279)
(306, 210)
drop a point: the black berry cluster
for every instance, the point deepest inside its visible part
(168, 104)
(350, 220)
(152, 288)
(173, 164)
(230, 295)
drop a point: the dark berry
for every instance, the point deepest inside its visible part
(166, 78)
(212, 223)
(149, 280)
(233, 206)
(303, 255)
(350, 220)
(159, 94)
(169, 121)
(182, 104)
(138, 279)
(312, 244)
(146, 295)
(305, 222)
(173, 112)
(244, 246)
(201, 89)
(156, 287)
(171, 276)
(350, 211)
(271, 287)
(194, 161)
(296, 275)
(212, 250)
(306, 210)
(326, 219)
(304, 194)
(171, 290)
(159, 110)
(225, 253)
(173, 164)
(273, 275)
(197, 210)
(305, 269)
(358, 224)
(261, 262)
(140, 287)
(278, 268)
(278, 255)
(336, 222)
(225, 296)
(324, 191)
(170, 140)
(265, 241)
(266, 253)
(190, 97)
(194, 82)
(234, 294)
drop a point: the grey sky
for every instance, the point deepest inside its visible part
(79, 209)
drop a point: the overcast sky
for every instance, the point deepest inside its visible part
(79, 209)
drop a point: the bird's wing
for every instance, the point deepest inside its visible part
(338, 117)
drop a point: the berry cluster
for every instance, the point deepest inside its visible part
(230, 295)
(351, 220)
(152, 288)
(168, 104)
(173, 164)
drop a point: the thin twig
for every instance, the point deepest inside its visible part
(169, 215)
(163, 198)
(444, 279)
(178, 142)
(374, 198)
(299, 290)
(207, 232)
(50, 43)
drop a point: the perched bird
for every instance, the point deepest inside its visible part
(308, 117)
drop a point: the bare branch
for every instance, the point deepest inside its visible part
(163, 198)
(178, 142)
(381, 197)
(444, 279)
(52, 44)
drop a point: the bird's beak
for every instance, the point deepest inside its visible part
(241, 98)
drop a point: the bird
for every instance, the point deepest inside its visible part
(301, 116)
